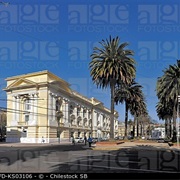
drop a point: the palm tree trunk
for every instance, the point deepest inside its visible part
(141, 129)
(126, 119)
(166, 128)
(137, 128)
(112, 86)
(170, 128)
(134, 124)
(174, 124)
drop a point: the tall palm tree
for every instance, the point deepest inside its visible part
(111, 64)
(168, 89)
(138, 109)
(165, 112)
(129, 94)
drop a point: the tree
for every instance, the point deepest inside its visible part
(111, 64)
(144, 120)
(3, 122)
(130, 94)
(137, 109)
(130, 124)
(165, 112)
(168, 89)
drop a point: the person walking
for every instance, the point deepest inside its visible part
(90, 141)
(73, 140)
(42, 141)
(85, 140)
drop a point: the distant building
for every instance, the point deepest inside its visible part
(158, 133)
(121, 129)
(34, 102)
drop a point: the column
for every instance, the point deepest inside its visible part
(36, 108)
(63, 119)
(14, 108)
(50, 107)
(17, 108)
(53, 108)
(66, 110)
(75, 113)
(33, 108)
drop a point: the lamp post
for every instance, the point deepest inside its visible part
(59, 115)
(178, 122)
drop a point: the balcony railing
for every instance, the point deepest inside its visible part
(23, 123)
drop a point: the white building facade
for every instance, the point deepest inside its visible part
(34, 101)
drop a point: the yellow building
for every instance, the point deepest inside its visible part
(36, 102)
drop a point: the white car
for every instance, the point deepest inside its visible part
(79, 140)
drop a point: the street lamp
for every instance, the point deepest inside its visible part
(59, 115)
(178, 122)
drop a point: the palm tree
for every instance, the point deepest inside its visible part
(111, 64)
(138, 109)
(130, 124)
(130, 94)
(168, 89)
(165, 112)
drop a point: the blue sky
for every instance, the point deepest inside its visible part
(59, 36)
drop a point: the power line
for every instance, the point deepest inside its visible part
(35, 105)
(79, 112)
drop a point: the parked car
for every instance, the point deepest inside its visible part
(104, 139)
(119, 138)
(130, 137)
(79, 140)
(94, 140)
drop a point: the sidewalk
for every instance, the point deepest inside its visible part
(136, 145)
(32, 144)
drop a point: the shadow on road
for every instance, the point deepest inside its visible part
(137, 159)
(81, 159)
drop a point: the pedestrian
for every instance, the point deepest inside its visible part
(42, 140)
(73, 140)
(85, 140)
(90, 141)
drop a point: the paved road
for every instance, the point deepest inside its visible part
(54, 158)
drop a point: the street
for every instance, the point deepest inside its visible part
(68, 158)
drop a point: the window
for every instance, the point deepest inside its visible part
(71, 109)
(78, 111)
(84, 112)
(26, 118)
(89, 114)
(58, 105)
(97, 116)
(27, 105)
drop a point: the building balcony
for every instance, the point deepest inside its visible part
(73, 125)
(80, 125)
(22, 123)
(86, 126)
